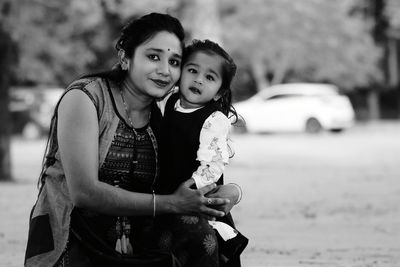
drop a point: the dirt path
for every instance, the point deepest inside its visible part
(326, 200)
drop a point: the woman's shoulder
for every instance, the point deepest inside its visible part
(93, 86)
(96, 88)
(87, 83)
(162, 103)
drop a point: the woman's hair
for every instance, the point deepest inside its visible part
(137, 32)
(228, 66)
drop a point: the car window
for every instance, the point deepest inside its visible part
(283, 96)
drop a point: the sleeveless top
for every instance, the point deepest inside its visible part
(50, 219)
(179, 144)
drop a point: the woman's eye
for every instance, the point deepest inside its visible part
(175, 63)
(154, 57)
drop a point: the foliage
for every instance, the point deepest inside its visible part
(282, 40)
(309, 40)
(393, 13)
(61, 40)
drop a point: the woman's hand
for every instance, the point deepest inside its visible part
(193, 201)
(228, 191)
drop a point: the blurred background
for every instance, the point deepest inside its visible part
(341, 59)
(352, 44)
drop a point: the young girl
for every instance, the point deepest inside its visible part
(196, 128)
(196, 123)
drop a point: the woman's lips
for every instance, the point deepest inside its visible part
(161, 83)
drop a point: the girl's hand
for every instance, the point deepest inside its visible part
(193, 201)
(228, 191)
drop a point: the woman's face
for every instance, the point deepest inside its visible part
(155, 66)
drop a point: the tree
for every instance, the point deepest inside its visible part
(312, 40)
(374, 11)
(61, 40)
(8, 58)
(201, 19)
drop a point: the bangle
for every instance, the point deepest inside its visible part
(154, 204)
(240, 192)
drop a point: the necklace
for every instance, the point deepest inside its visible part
(127, 113)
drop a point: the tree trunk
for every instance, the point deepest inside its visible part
(394, 69)
(201, 19)
(259, 72)
(393, 63)
(398, 100)
(6, 55)
(282, 68)
(373, 105)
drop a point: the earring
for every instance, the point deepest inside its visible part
(124, 65)
(123, 61)
(217, 97)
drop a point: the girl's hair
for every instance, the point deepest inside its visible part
(224, 103)
(137, 32)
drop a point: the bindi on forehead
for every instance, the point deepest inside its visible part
(165, 41)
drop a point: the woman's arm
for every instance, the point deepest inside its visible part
(78, 139)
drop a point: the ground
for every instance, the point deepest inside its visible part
(328, 200)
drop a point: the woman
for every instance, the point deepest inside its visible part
(96, 202)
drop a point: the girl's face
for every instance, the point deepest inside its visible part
(155, 65)
(201, 79)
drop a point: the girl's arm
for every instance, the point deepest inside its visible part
(78, 139)
(213, 152)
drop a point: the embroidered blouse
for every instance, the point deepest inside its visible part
(129, 164)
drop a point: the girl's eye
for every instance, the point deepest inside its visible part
(175, 63)
(191, 70)
(154, 57)
(210, 78)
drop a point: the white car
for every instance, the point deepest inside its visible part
(32, 109)
(296, 107)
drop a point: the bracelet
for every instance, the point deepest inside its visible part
(240, 192)
(154, 204)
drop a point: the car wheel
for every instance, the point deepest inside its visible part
(313, 126)
(338, 130)
(31, 131)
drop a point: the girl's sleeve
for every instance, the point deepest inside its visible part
(213, 152)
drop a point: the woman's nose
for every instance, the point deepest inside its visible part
(163, 68)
